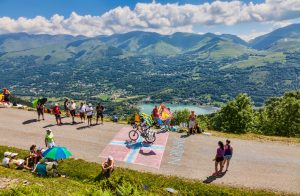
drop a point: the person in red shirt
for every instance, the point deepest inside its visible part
(56, 112)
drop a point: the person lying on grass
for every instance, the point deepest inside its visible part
(108, 166)
(6, 159)
(15, 163)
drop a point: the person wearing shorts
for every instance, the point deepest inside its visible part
(82, 112)
(49, 139)
(72, 108)
(40, 111)
(66, 107)
(227, 154)
(192, 121)
(219, 158)
(99, 110)
(57, 113)
(89, 114)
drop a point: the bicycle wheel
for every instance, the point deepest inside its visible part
(133, 135)
(150, 137)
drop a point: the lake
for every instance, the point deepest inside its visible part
(148, 107)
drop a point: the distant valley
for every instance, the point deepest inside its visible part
(135, 66)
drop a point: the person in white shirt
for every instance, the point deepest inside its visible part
(72, 108)
(82, 112)
(6, 159)
(89, 114)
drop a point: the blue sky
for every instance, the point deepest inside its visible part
(93, 17)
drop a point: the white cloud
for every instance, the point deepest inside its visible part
(165, 19)
(252, 35)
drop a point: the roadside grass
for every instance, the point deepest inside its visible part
(83, 178)
(257, 137)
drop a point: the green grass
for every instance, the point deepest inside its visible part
(83, 179)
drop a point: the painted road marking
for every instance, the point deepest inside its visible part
(138, 152)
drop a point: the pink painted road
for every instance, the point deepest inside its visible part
(138, 152)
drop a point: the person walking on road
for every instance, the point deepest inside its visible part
(57, 113)
(49, 139)
(227, 154)
(72, 108)
(219, 158)
(82, 112)
(89, 114)
(99, 110)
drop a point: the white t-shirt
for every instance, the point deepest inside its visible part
(72, 106)
(5, 162)
(82, 109)
(89, 111)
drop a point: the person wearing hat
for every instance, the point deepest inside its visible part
(6, 94)
(15, 163)
(89, 114)
(57, 113)
(6, 159)
(108, 166)
(49, 139)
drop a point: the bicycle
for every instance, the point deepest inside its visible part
(145, 132)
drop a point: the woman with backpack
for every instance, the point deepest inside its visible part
(227, 154)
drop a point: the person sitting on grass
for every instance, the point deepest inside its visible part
(108, 166)
(30, 159)
(15, 163)
(6, 95)
(6, 159)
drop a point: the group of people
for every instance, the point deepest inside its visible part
(223, 156)
(70, 108)
(34, 161)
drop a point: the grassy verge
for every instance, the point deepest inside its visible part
(83, 179)
(257, 137)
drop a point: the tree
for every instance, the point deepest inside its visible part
(236, 116)
(181, 116)
(281, 115)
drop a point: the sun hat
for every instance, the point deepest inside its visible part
(6, 154)
(56, 104)
(13, 154)
(90, 104)
(49, 130)
(110, 158)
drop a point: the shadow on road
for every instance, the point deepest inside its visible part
(29, 121)
(47, 126)
(184, 136)
(83, 127)
(151, 152)
(212, 178)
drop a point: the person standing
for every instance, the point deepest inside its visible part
(49, 139)
(99, 110)
(72, 109)
(6, 95)
(227, 154)
(219, 158)
(40, 110)
(56, 112)
(89, 114)
(66, 107)
(82, 111)
(192, 121)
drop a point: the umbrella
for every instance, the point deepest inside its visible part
(42, 100)
(57, 152)
(34, 103)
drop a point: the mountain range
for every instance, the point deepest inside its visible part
(145, 54)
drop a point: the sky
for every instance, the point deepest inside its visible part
(245, 18)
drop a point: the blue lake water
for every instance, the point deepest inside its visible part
(148, 107)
